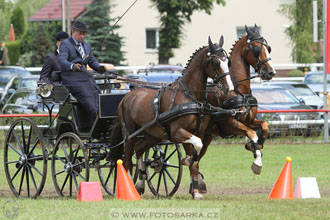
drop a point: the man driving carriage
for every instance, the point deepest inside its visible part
(75, 54)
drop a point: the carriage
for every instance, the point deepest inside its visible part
(74, 144)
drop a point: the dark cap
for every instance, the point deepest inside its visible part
(61, 36)
(79, 26)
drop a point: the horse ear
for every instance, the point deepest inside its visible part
(247, 30)
(255, 25)
(221, 41)
(211, 45)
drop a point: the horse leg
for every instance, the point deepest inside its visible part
(238, 128)
(264, 126)
(140, 148)
(187, 161)
(201, 182)
(183, 136)
(129, 151)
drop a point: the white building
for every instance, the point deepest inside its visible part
(141, 23)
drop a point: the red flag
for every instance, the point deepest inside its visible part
(11, 33)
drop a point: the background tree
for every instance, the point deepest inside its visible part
(300, 13)
(173, 15)
(17, 19)
(98, 25)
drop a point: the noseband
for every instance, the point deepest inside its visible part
(256, 51)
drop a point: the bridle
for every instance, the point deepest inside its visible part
(215, 57)
(256, 51)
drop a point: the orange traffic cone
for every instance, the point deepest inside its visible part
(125, 187)
(283, 188)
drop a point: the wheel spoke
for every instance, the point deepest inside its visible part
(34, 146)
(70, 189)
(165, 183)
(20, 167)
(152, 176)
(18, 141)
(27, 181)
(35, 169)
(23, 137)
(78, 174)
(77, 164)
(169, 156)
(173, 166)
(158, 184)
(59, 172)
(12, 147)
(32, 177)
(59, 158)
(75, 182)
(15, 161)
(29, 140)
(170, 176)
(108, 177)
(76, 153)
(36, 158)
(65, 153)
(66, 179)
(21, 184)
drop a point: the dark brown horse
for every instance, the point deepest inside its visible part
(141, 106)
(251, 49)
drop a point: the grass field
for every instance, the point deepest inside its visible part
(234, 192)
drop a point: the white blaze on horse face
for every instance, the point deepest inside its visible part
(225, 68)
(229, 82)
(269, 61)
(196, 141)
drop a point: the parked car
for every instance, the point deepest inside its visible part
(315, 81)
(162, 69)
(7, 72)
(25, 101)
(152, 77)
(301, 91)
(18, 82)
(277, 98)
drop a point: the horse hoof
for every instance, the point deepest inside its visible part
(201, 184)
(256, 169)
(197, 196)
(140, 187)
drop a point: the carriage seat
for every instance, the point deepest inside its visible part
(61, 92)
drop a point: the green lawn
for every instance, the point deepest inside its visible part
(233, 190)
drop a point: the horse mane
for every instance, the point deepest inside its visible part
(235, 44)
(191, 58)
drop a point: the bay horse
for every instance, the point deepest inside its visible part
(251, 49)
(143, 105)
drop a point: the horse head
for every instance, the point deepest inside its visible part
(258, 53)
(218, 65)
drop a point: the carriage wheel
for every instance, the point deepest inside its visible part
(25, 159)
(163, 168)
(69, 164)
(107, 171)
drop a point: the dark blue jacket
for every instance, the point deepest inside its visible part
(50, 64)
(69, 54)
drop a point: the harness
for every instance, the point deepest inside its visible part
(256, 51)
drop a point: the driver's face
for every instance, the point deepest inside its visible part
(78, 36)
